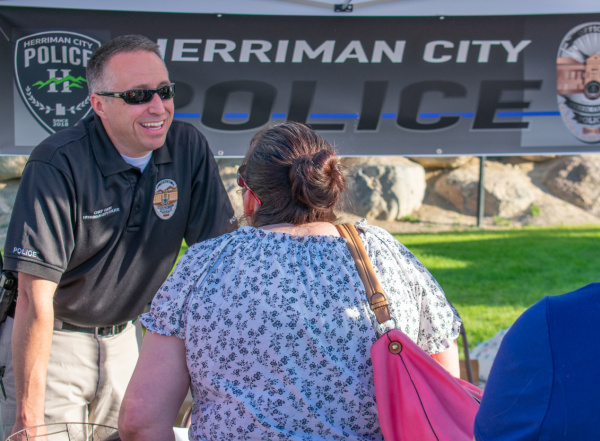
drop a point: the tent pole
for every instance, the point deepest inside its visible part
(481, 200)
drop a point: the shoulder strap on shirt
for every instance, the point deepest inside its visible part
(375, 294)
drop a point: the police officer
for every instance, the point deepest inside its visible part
(98, 221)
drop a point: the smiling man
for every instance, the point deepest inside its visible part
(134, 129)
(100, 215)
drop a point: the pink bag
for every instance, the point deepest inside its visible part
(417, 399)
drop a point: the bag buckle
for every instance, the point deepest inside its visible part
(380, 331)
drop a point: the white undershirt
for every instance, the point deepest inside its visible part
(140, 162)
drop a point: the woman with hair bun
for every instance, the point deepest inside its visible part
(270, 324)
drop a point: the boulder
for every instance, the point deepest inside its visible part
(438, 162)
(8, 194)
(538, 158)
(11, 167)
(576, 179)
(384, 188)
(507, 191)
(228, 171)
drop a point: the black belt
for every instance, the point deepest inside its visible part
(102, 331)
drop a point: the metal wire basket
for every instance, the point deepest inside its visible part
(67, 432)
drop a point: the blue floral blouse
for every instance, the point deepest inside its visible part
(278, 331)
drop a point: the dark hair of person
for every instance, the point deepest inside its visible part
(296, 175)
(96, 66)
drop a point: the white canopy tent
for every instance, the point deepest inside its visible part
(327, 7)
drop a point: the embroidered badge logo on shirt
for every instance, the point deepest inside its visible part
(50, 75)
(165, 199)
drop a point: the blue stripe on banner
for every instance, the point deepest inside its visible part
(513, 114)
(186, 115)
(440, 114)
(430, 115)
(334, 115)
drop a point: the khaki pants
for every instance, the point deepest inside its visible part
(86, 380)
(8, 411)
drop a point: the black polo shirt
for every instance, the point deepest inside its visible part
(106, 233)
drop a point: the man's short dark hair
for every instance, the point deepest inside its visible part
(96, 67)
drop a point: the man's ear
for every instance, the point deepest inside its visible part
(97, 104)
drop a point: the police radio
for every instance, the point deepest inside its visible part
(8, 293)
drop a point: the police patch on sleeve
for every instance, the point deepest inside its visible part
(165, 199)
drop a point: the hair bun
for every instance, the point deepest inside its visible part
(320, 158)
(317, 181)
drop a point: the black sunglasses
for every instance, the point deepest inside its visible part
(141, 96)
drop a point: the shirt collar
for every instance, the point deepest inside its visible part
(108, 157)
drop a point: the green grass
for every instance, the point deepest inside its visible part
(183, 249)
(492, 276)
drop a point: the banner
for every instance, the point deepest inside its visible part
(415, 86)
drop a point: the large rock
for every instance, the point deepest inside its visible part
(576, 179)
(228, 171)
(538, 158)
(11, 167)
(8, 194)
(507, 191)
(438, 162)
(385, 188)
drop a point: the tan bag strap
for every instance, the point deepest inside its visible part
(375, 294)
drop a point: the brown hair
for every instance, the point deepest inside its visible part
(96, 71)
(295, 173)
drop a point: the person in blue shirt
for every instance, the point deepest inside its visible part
(544, 383)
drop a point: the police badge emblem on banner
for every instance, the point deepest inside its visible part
(578, 81)
(50, 75)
